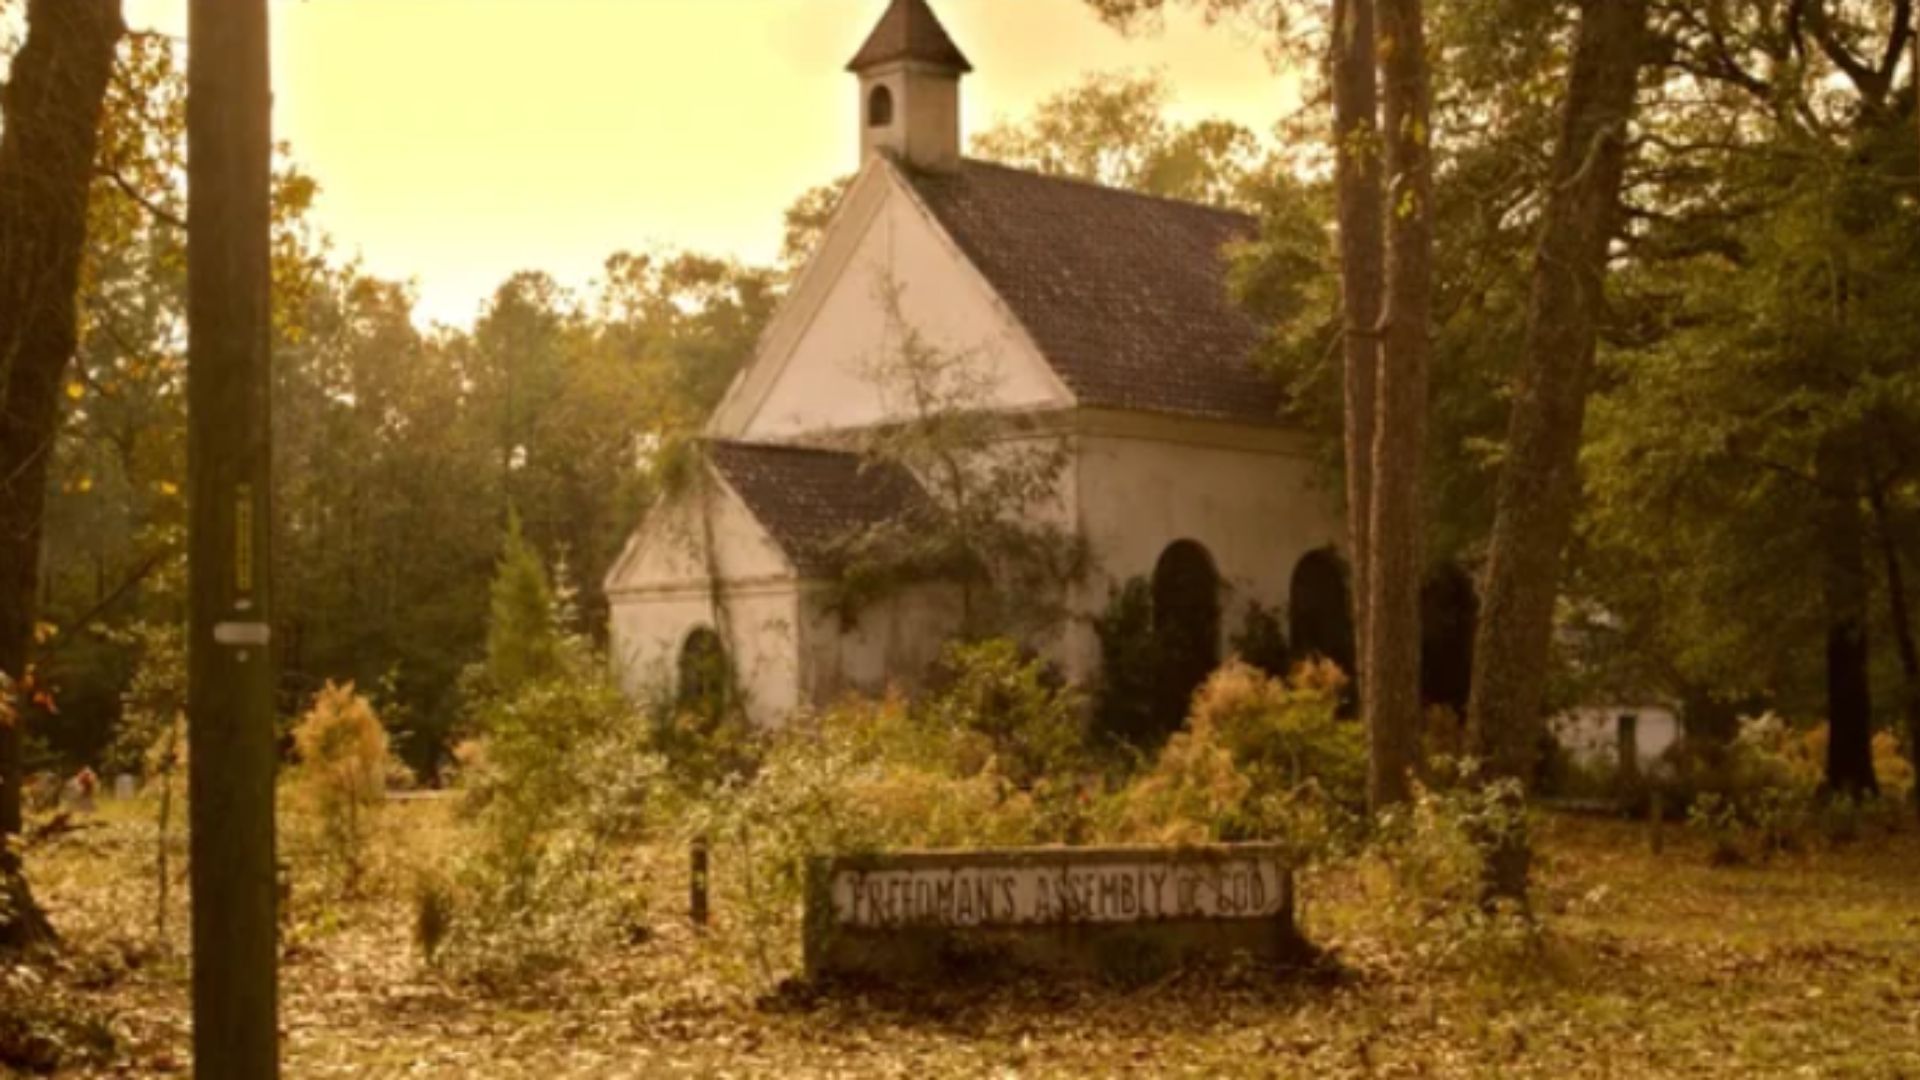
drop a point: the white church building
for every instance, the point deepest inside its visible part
(1098, 318)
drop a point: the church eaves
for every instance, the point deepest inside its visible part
(812, 501)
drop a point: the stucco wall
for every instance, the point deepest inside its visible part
(1257, 509)
(762, 632)
(893, 643)
(661, 591)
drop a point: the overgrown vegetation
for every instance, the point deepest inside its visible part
(560, 781)
(342, 778)
(1641, 964)
(992, 524)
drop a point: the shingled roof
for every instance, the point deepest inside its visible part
(810, 500)
(1125, 294)
(910, 31)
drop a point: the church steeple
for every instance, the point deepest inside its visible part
(910, 73)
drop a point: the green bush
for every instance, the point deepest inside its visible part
(1762, 794)
(1123, 705)
(1029, 720)
(562, 780)
(1435, 851)
(1262, 641)
(1195, 792)
(864, 776)
(1287, 732)
(1260, 758)
(342, 777)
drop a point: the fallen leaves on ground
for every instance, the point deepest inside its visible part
(1647, 966)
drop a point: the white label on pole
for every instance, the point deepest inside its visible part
(242, 633)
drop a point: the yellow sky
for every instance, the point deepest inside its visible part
(458, 141)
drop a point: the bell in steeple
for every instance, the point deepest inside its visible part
(910, 74)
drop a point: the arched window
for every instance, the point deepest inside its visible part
(703, 673)
(1320, 611)
(880, 107)
(1186, 628)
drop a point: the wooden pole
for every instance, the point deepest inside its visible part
(231, 739)
(697, 896)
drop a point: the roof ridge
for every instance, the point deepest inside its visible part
(1129, 193)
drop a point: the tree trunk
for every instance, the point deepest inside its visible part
(230, 724)
(1539, 483)
(52, 107)
(1902, 619)
(1844, 592)
(1391, 650)
(1356, 135)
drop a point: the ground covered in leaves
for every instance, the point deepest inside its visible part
(1647, 965)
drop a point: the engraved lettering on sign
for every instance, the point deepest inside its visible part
(984, 895)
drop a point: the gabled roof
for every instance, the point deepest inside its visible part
(812, 501)
(1125, 294)
(910, 31)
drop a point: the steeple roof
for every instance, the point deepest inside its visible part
(910, 31)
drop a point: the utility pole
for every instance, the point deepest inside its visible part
(231, 739)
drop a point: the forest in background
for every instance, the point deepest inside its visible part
(1740, 506)
(1751, 438)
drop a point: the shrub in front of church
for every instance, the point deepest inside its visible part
(864, 776)
(1260, 758)
(566, 785)
(1032, 723)
(1123, 702)
(1287, 732)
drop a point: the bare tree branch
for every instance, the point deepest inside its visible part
(127, 188)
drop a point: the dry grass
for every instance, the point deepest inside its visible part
(1647, 966)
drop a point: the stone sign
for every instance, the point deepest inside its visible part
(1108, 911)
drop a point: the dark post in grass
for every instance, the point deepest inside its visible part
(698, 883)
(230, 665)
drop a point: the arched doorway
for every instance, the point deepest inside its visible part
(1186, 629)
(1449, 617)
(1320, 610)
(703, 674)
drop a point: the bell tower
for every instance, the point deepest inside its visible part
(910, 73)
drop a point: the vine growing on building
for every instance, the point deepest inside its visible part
(992, 524)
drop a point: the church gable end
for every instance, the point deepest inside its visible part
(824, 366)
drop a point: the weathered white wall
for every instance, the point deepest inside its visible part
(1591, 734)
(893, 643)
(815, 374)
(662, 590)
(1251, 498)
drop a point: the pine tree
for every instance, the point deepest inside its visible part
(523, 638)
